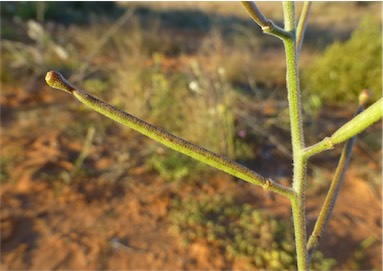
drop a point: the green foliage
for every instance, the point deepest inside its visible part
(348, 67)
(174, 166)
(242, 232)
(98, 86)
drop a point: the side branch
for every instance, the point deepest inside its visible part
(56, 80)
(268, 26)
(301, 27)
(332, 195)
(355, 126)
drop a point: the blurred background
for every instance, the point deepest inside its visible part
(79, 191)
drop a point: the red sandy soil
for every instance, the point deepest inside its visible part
(94, 223)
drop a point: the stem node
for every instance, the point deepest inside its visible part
(267, 184)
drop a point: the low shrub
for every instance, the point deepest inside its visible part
(346, 68)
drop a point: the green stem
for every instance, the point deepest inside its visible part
(293, 89)
(359, 123)
(353, 127)
(255, 13)
(300, 232)
(297, 139)
(303, 19)
(268, 26)
(56, 80)
(332, 195)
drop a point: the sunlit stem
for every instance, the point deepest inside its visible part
(301, 28)
(353, 127)
(336, 184)
(56, 80)
(332, 195)
(297, 138)
(268, 26)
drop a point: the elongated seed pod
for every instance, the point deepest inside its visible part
(359, 123)
(56, 80)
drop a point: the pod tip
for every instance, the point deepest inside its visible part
(55, 80)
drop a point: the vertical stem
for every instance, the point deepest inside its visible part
(289, 15)
(299, 167)
(292, 79)
(299, 221)
(294, 99)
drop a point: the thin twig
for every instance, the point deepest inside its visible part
(268, 26)
(332, 195)
(255, 13)
(353, 127)
(301, 28)
(336, 184)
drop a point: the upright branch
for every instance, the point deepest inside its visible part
(292, 81)
(301, 28)
(288, 36)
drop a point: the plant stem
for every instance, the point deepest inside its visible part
(332, 195)
(56, 80)
(353, 127)
(292, 80)
(303, 19)
(359, 123)
(297, 139)
(300, 232)
(255, 13)
(268, 26)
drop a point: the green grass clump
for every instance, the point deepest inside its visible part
(348, 67)
(242, 232)
(174, 166)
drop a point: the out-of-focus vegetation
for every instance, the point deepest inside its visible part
(345, 68)
(174, 166)
(208, 83)
(244, 234)
(63, 12)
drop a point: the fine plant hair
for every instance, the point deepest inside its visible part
(291, 36)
